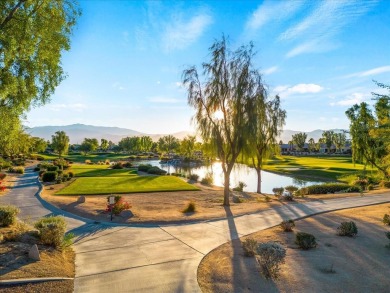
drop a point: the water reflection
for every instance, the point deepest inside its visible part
(240, 172)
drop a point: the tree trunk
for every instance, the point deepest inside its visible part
(226, 191)
(258, 180)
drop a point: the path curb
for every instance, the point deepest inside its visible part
(32, 280)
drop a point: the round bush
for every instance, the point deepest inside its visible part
(8, 215)
(270, 256)
(305, 240)
(49, 176)
(144, 168)
(194, 177)
(156, 171)
(52, 168)
(347, 229)
(51, 230)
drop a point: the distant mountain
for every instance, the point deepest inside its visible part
(77, 133)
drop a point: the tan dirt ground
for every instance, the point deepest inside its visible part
(15, 264)
(338, 264)
(9, 182)
(163, 207)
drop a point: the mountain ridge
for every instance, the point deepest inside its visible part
(77, 133)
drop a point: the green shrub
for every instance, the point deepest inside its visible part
(2, 176)
(41, 173)
(287, 226)
(117, 165)
(70, 174)
(18, 162)
(354, 189)
(40, 158)
(127, 165)
(270, 256)
(49, 176)
(37, 169)
(347, 229)
(386, 219)
(278, 190)
(384, 184)
(17, 170)
(305, 240)
(4, 164)
(144, 168)
(326, 188)
(8, 215)
(240, 187)
(62, 164)
(208, 179)
(52, 168)
(51, 230)
(59, 180)
(291, 188)
(370, 187)
(190, 208)
(362, 183)
(249, 246)
(156, 171)
(194, 177)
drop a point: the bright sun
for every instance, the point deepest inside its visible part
(218, 115)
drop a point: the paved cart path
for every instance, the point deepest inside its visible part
(117, 258)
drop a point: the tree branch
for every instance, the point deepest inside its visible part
(11, 14)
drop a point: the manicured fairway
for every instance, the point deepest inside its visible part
(92, 157)
(329, 167)
(125, 184)
(92, 171)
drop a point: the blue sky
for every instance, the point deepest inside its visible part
(124, 68)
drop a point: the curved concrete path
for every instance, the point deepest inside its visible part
(116, 258)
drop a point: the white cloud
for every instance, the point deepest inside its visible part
(271, 11)
(306, 88)
(374, 71)
(270, 70)
(180, 34)
(355, 98)
(165, 100)
(302, 88)
(316, 32)
(73, 107)
(118, 86)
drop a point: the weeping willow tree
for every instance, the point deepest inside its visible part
(224, 101)
(371, 134)
(262, 144)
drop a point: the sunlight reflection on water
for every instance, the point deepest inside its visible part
(240, 172)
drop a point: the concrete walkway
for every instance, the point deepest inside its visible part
(114, 258)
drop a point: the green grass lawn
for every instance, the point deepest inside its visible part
(327, 167)
(100, 171)
(125, 184)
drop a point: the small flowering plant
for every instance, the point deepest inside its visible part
(2, 187)
(119, 205)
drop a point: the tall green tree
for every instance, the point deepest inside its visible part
(224, 101)
(33, 36)
(370, 132)
(328, 138)
(39, 145)
(89, 145)
(60, 143)
(299, 140)
(339, 140)
(168, 144)
(262, 144)
(146, 143)
(187, 146)
(104, 144)
(312, 145)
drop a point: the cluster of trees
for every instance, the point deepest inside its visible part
(33, 36)
(370, 132)
(329, 138)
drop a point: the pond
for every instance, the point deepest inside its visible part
(240, 172)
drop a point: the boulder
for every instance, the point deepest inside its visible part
(34, 253)
(81, 199)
